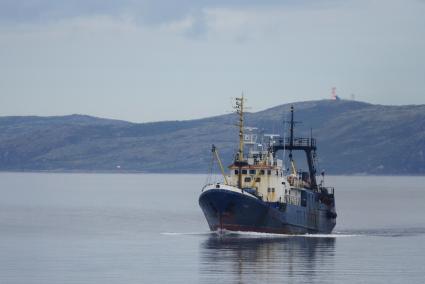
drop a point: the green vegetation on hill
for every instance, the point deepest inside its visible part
(353, 137)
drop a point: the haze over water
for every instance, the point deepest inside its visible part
(148, 228)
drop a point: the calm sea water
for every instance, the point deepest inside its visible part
(140, 228)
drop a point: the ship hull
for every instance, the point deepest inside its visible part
(230, 210)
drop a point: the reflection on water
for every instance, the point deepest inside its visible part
(266, 258)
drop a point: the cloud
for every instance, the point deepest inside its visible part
(144, 11)
(190, 18)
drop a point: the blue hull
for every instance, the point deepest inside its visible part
(227, 210)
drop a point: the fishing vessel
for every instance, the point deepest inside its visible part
(259, 194)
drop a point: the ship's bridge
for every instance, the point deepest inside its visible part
(260, 172)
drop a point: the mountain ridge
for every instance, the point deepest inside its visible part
(353, 138)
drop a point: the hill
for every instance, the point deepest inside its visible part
(353, 138)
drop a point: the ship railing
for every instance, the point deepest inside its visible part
(328, 190)
(298, 141)
(209, 184)
(215, 184)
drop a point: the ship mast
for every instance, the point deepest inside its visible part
(291, 132)
(308, 145)
(239, 106)
(240, 111)
(291, 141)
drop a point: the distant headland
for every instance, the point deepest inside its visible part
(354, 137)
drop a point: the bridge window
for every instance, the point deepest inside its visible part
(247, 179)
(244, 172)
(252, 172)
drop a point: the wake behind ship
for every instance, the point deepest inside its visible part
(261, 195)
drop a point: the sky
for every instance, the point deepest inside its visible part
(153, 60)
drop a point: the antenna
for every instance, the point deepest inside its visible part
(333, 93)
